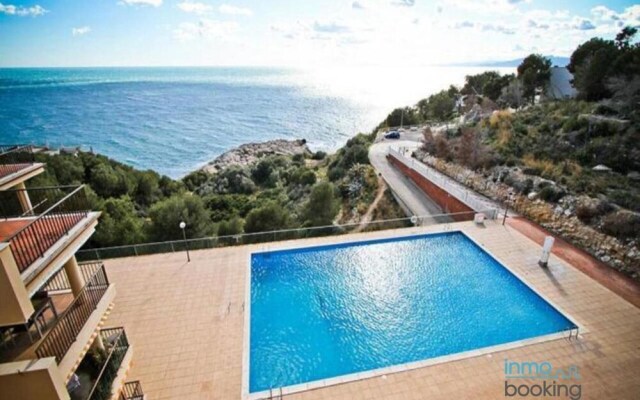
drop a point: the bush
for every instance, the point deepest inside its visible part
(622, 224)
(336, 173)
(322, 206)
(551, 193)
(319, 155)
(167, 214)
(269, 217)
(230, 227)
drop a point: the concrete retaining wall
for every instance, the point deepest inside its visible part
(448, 203)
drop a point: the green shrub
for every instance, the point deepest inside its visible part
(319, 155)
(551, 193)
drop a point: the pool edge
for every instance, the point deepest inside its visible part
(380, 372)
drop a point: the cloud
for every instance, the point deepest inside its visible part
(582, 24)
(205, 29)
(83, 30)
(485, 27)
(195, 8)
(233, 10)
(356, 5)
(331, 27)
(604, 13)
(403, 3)
(537, 25)
(21, 11)
(154, 3)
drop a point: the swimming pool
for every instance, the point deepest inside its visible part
(327, 311)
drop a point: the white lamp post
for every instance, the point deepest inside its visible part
(184, 236)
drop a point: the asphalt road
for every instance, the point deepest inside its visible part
(412, 198)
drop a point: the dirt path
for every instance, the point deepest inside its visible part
(366, 218)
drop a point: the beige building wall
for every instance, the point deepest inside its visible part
(32, 380)
(15, 306)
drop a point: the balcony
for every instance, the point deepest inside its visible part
(17, 164)
(102, 370)
(42, 223)
(66, 329)
(132, 391)
(68, 325)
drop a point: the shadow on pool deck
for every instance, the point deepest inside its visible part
(613, 280)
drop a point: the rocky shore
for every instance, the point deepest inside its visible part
(251, 152)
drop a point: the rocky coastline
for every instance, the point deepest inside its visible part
(249, 153)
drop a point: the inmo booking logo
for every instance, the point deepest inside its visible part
(548, 381)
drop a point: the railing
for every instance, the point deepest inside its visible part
(271, 236)
(60, 282)
(117, 344)
(455, 189)
(41, 199)
(32, 241)
(64, 333)
(15, 158)
(132, 391)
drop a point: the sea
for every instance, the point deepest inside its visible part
(174, 120)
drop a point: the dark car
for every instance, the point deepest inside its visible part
(392, 135)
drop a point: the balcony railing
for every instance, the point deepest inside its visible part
(15, 158)
(64, 333)
(115, 340)
(132, 391)
(33, 240)
(41, 199)
(60, 282)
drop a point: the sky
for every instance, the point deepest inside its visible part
(298, 33)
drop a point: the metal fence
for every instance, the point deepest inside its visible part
(132, 391)
(269, 236)
(40, 199)
(15, 158)
(64, 333)
(115, 339)
(32, 241)
(457, 190)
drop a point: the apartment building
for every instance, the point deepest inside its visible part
(54, 343)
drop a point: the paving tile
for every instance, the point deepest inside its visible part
(186, 323)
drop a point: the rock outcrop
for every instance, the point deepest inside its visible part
(249, 153)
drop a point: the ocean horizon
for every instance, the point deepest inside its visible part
(176, 119)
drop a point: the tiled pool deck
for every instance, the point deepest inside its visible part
(186, 322)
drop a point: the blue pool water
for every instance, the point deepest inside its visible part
(327, 311)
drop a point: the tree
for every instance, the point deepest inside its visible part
(323, 205)
(147, 188)
(438, 106)
(167, 214)
(489, 84)
(119, 224)
(402, 116)
(269, 217)
(230, 227)
(534, 73)
(625, 36)
(590, 65)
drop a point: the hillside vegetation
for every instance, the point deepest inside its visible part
(275, 192)
(572, 165)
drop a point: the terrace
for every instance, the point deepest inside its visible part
(17, 164)
(44, 227)
(68, 321)
(207, 357)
